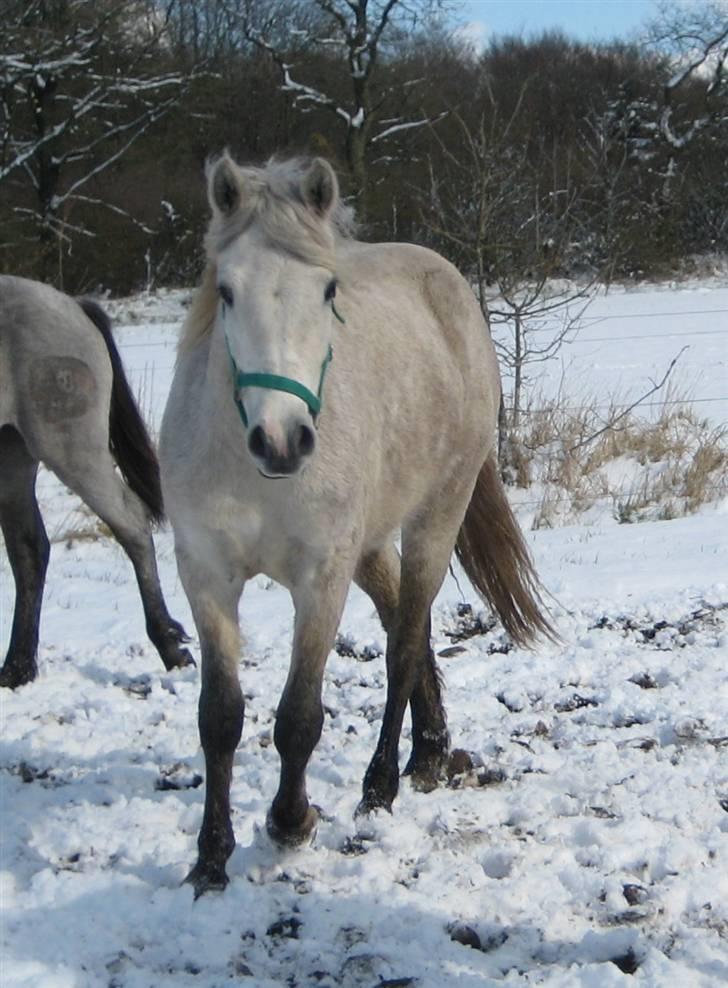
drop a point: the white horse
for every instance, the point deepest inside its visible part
(329, 394)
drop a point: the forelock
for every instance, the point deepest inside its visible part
(274, 204)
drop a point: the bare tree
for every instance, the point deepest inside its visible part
(694, 36)
(80, 83)
(487, 207)
(358, 35)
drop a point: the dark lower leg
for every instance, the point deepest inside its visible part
(166, 634)
(381, 781)
(300, 717)
(430, 738)
(379, 575)
(221, 723)
(28, 549)
(298, 728)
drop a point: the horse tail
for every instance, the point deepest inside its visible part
(129, 440)
(494, 555)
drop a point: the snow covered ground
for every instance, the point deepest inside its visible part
(588, 848)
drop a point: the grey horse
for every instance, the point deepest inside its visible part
(329, 394)
(64, 400)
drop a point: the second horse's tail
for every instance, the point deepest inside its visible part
(129, 440)
(494, 555)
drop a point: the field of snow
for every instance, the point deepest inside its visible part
(588, 847)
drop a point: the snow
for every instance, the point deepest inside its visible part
(586, 848)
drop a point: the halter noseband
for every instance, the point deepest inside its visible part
(276, 382)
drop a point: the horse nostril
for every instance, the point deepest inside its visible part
(306, 440)
(257, 443)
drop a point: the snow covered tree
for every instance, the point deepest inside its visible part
(80, 83)
(359, 36)
(694, 36)
(488, 208)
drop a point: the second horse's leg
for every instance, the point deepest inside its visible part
(96, 482)
(28, 550)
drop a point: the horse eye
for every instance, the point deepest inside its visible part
(330, 292)
(226, 295)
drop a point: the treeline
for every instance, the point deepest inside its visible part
(606, 159)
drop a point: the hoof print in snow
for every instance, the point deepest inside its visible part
(139, 687)
(645, 681)
(603, 814)
(348, 647)
(177, 777)
(491, 777)
(574, 702)
(627, 963)
(464, 934)
(29, 773)
(459, 763)
(285, 928)
(239, 969)
(469, 624)
(352, 847)
(634, 894)
(462, 773)
(666, 635)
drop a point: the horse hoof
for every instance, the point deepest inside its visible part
(182, 659)
(427, 774)
(207, 878)
(372, 803)
(293, 838)
(13, 678)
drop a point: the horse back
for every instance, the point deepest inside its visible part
(415, 306)
(414, 382)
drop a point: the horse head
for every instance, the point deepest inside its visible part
(272, 243)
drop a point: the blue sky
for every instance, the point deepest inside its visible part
(586, 20)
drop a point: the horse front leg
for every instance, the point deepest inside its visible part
(214, 602)
(299, 719)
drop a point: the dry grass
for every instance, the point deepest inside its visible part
(80, 525)
(657, 462)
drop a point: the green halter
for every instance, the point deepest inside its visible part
(276, 382)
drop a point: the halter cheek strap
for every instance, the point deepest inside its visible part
(276, 382)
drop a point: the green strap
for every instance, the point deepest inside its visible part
(276, 382)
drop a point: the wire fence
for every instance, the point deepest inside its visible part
(166, 341)
(615, 497)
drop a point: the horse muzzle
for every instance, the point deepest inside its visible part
(281, 454)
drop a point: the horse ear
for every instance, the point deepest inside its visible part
(320, 187)
(224, 185)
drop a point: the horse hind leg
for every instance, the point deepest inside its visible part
(88, 470)
(28, 550)
(300, 717)
(378, 575)
(427, 545)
